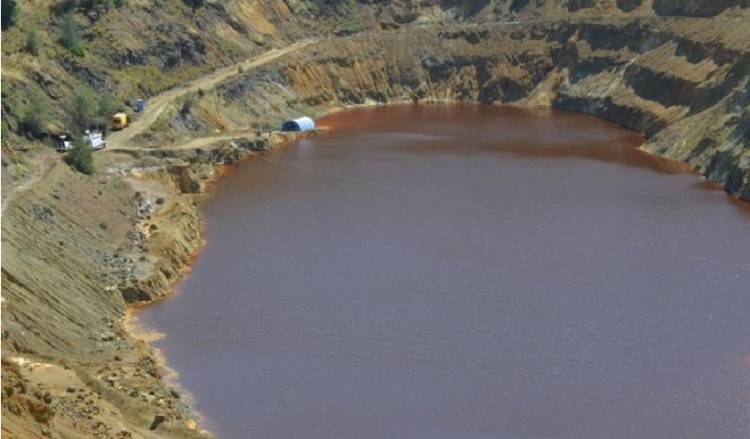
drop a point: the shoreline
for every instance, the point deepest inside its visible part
(134, 328)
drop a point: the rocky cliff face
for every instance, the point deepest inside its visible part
(683, 82)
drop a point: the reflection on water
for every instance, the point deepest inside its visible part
(466, 272)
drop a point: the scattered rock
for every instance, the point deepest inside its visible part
(108, 336)
(158, 419)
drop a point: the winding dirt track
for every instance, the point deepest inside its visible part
(156, 105)
(123, 140)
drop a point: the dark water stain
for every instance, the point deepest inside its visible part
(466, 272)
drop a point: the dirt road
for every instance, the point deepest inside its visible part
(156, 105)
(42, 165)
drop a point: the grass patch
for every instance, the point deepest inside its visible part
(350, 23)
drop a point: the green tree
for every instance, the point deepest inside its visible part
(194, 4)
(35, 116)
(33, 44)
(82, 109)
(69, 32)
(106, 108)
(9, 13)
(80, 156)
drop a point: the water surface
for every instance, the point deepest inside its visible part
(466, 272)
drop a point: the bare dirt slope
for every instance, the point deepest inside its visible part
(67, 245)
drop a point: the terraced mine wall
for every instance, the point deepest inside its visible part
(77, 250)
(682, 82)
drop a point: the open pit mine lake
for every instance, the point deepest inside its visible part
(465, 272)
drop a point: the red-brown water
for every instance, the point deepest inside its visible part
(466, 272)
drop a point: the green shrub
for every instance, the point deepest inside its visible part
(259, 39)
(33, 44)
(82, 110)
(194, 4)
(187, 105)
(349, 26)
(35, 116)
(106, 108)
(69, 35)
(80, 157)
(351, 23)
(78, 50)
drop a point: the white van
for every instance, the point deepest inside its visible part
(95, 139)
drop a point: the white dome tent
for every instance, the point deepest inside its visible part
(299, 124)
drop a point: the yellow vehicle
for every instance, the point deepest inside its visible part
(120, 121)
